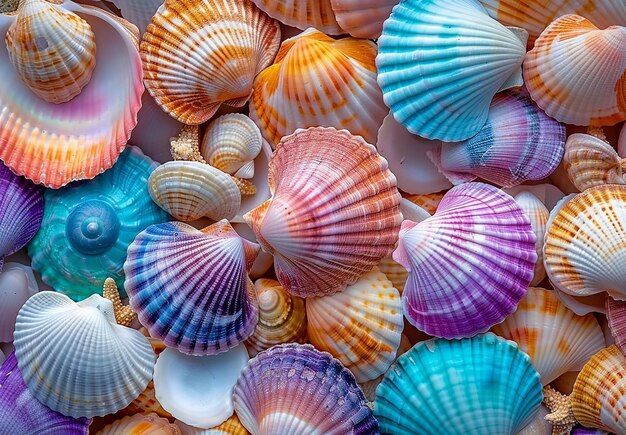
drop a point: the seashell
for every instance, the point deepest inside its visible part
(344, 73)
(600, 391)
(231, 143)
(538, 215)
(263, 261)
(302, 14)
(362, 19)
(591, 161)
(138, 12)
(87, 227)
(481, 385)
(360, 326)
(183, 292)
(616, 315)
(583, 249)
(322, 242)
(259, 181)
(147, 402)
(140, 424)
(549, 194)
(21, 212)
(282, 317)
(232, 426)
(577, 73)
(205, 402)
(538, 425)
(621, 143)
(579, 430)
(65, 349)
(199, 54)
(17, 284)
(557, 340)
(406, 155)
(54, 144)
(21, 413)
(428, 202)
(293, 388)
(192, 190)
(479, 242)
(436, 90)
(518, 143)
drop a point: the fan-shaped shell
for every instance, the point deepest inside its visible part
(577, 73)
(87, 227)
(65, 349)
(147, 402)
(17, 284)
(441, 90)
(192, 190)
(302, 14)
(538, 215)
(482, 385)
(479, 242)
(616, 317)
(293, 388)
(140, 424)
(334, 211)
(198, 55)
(428, 202)
(621, 143)
(190, 288)
(344, 73)
(232, 426)
(138, 12)
(362, 19)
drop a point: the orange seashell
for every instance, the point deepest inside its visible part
(140, 424)
(302, 14)
(232, 426)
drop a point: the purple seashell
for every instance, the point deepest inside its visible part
(294, 388)
(580, 430)
(469, 265)
(21, 211)
(21, 413)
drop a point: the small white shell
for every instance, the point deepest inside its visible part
(17, 284)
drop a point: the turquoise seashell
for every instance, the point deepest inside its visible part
(88, 226)
(482, 385)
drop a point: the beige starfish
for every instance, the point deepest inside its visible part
(123, 313)
(561, 415)
(186, 146)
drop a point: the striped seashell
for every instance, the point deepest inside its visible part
(140, 424)
(147, 402)
(616, 320)
(200, 54)
(302, 14)
(538, 215)
(362, 18)
(232, 426)
(577, 73)
(428, 202)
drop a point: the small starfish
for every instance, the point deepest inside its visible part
(186, 146)
(123, 313)
(561, 415)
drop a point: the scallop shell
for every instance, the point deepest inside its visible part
(539, 425)
(470, 263)
(87, 227)
(577, 72)
(360, 326)
(518, 143)
(616, 316)
(302, 14)
(362, 19)
(202, 53)
(282, 317)
(232, 426)
(140, 424)
(65, 349)
(192, 190)
(190, 288)
(138, 12)
(428, 202)
(147, 402)
(205, 402)
(17, 284)
(583, 250)
(538, 215)
(54, 144)
(334, 211)
(21, 212)
(293, 388)
(557, 340)
(482, 385)
(549, 194)
(438, 90)
(344, 74)
(599, 394)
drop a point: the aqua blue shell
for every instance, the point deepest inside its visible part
(88, 226)
(481, 385)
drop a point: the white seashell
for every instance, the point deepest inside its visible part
(17, 284)
(549, 194)
(538, 215)
(260, 181)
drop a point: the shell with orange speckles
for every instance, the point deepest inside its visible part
(556, 339)
(577, 73)
(198, 55)
(345, 94)
(141, 424)
(302, 14)
(585, 245)
(361, 326)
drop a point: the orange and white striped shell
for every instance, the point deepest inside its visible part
(141, 424)
(200, 54)
(302, 14)
(345, 95)
(577, 73)
(538, 215)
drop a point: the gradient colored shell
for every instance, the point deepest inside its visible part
(65, 349)
(583, 250)
(88, 226)
(232, 426)
(599, 394)
(293, 388)
(557, 340)
(17, 284)
(190, 288)
(344, 74)
(334, 211)
(577, 72)
(362, 18)
(55, 144)
(302, 14)
(616, 316)
(199, 54)
(21, 212)
(538, 215)
(518, 143)
(482, 385)
(140, 424)
(440, 90)
(470, 263)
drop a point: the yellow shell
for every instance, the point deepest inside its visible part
(140, 424)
